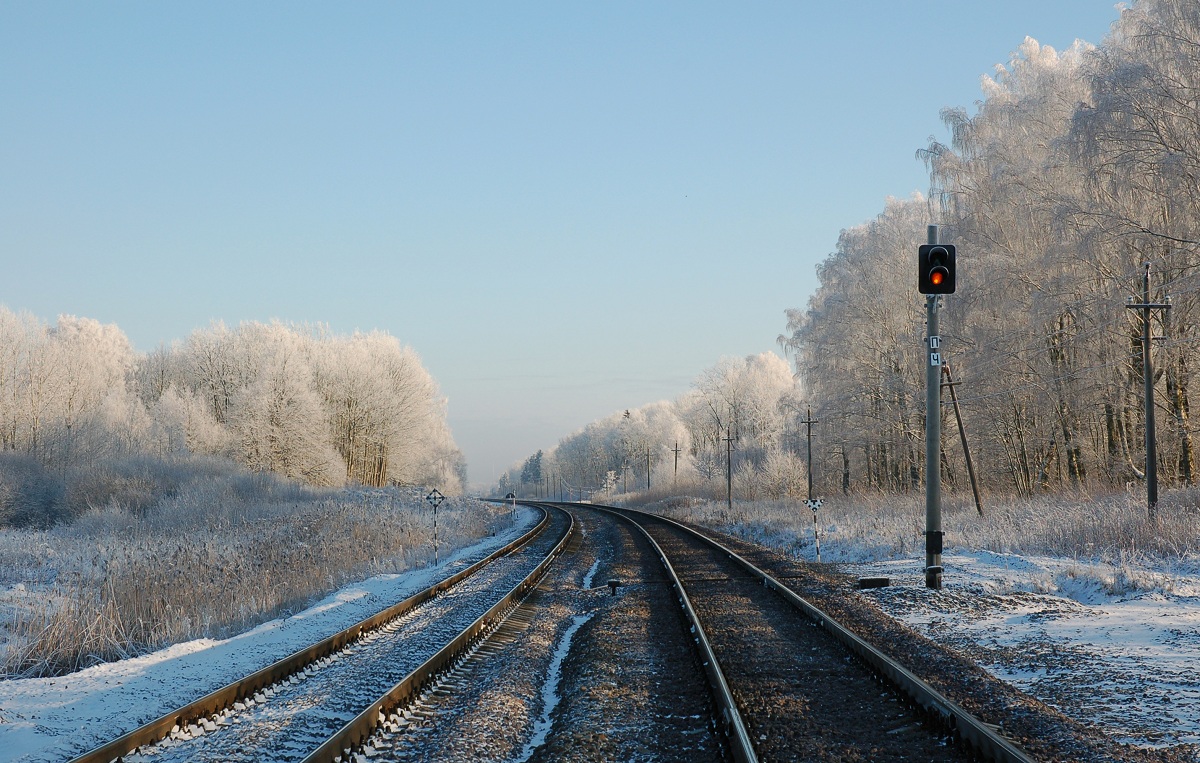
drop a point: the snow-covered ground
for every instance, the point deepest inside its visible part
(1115, 646)
(54, 719)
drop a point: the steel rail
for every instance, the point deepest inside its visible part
(733, 724)
(225, 697)
(977, 735)
(357, 731)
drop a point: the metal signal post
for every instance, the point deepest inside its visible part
(647, 468)
(933, 436)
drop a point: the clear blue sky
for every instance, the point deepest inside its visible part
(566, 208)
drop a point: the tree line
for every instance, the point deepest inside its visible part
(1077, 169)
(294, 400)
(740, 413)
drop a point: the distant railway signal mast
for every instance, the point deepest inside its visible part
(814, 504)
(647, 468)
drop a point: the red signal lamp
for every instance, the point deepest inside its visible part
(935, 269)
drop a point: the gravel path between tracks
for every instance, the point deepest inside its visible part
(1045, 733)
(628, 687)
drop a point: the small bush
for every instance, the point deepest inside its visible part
(30, 495)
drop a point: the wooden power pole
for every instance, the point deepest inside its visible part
(1146, 306)
(728, 468)
(962, 433)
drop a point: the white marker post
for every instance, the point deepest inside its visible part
(814, 504)
(435, 499)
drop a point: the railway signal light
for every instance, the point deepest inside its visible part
(935, 269)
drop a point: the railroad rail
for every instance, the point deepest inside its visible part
(578, 672)
(977, 737)
(487, 575)
(729, 716)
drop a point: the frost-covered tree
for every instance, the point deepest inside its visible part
(1077, 167)
(632, 447)
(1138, 136)
(858, 348)
(92, 362)
(388, 420)
(531, 471)
(75, 399)
(278, 418)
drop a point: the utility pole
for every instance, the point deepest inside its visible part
(1146, 306)
(675, 450)
(809, 423)
(962, 433)
(647, 468)
(728, 468)
(933, 437)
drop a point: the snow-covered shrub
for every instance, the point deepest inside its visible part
(30, 494)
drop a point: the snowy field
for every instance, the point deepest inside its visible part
(54, 719)
(1117, 646)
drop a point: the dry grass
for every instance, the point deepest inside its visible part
(1110, 528)
(208, 562)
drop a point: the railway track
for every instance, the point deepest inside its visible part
(785, 681)
(580, 674)
(329, 698)
(791, 683)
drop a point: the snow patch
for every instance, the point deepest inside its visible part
(336, 600)
(1115, 645)
(587, 579)
(550, 695)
